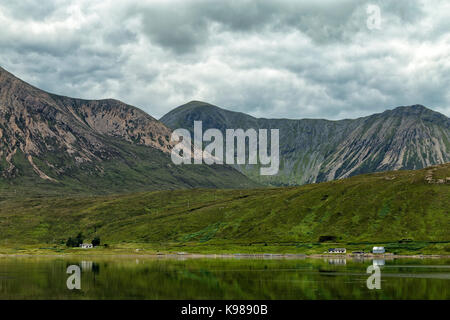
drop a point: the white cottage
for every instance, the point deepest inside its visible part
(378, 250)
(86, 245)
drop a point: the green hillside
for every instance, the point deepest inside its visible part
(139, 168)
(358, 211)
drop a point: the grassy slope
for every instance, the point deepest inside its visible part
(375, 208)
(139, 168)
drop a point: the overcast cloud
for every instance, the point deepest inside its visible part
(291, 59)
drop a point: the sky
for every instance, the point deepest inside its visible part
(273, 59)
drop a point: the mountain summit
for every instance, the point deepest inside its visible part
(33, 122)
(315, 150)
(89, 144)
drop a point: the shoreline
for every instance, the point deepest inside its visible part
(227, 256)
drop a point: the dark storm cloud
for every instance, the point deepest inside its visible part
(268, 58)
(184, 25)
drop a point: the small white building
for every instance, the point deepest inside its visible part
(378, 250)
(86, 245)
(337, 250)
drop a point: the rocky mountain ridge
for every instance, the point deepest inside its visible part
(315, 150)
(75, 141)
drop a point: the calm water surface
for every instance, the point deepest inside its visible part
(222, 278)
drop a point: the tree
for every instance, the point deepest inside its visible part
(75, 242)
(79, 239)
(96, 241)
(71, 242)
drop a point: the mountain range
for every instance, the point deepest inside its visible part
(49, 142)
(317, 150)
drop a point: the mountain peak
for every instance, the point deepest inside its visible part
(196, 104)
(418, 106)
(35, 123)
(413, 109)
(417, 111)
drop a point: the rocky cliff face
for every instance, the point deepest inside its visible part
(411, 137)
(312, 150)
(54, 138)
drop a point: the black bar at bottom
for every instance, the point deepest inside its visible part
(223, 309)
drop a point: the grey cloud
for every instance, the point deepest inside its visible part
(29, 9)
(183, 26)
(406, 11)
(281, 58)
